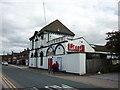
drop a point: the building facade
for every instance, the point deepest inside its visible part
(55, 42)
(17, 58)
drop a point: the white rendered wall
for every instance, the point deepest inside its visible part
(30, 59)
(82, 63)
(74, 63)
(29, 62)
(54, 36)
(45, 63)
(59, 50)
(32, 62)
(42, 42)
(79, 42)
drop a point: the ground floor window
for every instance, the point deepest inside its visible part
(41, 58)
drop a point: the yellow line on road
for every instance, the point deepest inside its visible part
(6, 82)
(10, 84)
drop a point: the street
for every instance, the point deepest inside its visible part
(28, 79)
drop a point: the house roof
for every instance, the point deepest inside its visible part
(100, 48)
(57, 27)
(36, 32)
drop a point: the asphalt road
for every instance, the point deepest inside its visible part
(28, 79)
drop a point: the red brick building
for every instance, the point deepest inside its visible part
(17, 58)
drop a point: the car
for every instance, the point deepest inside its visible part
(5, 63)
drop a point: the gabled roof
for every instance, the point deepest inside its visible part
(54, 27)
(33, 35)
(57, 27)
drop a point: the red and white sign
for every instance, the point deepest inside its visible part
(72, 47)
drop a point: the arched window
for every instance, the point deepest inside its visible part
(59, 49)
(50, 51)
(31, 55)
(36, 54)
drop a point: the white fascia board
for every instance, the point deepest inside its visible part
(102, 52)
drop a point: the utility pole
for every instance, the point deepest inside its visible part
(3, 52)
(44, 12)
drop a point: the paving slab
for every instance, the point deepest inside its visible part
(108, 76)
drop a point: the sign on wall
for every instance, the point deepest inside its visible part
(72, 47)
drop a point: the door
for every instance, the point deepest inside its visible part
(59, 60)
(50, 63)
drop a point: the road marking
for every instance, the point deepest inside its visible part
(55, 86)
(62, 87)
(66, 86)
(35, 88)
(8, 82)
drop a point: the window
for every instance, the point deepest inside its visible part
(42, 37)
(32, 44)
(36, 39)
(31, 55)
(41, 58)
(93, 56)
(36, 54)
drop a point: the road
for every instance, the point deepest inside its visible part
(28, 79)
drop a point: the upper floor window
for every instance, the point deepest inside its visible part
(42, 37)
(36, 39)
(32, 55)
(32, 44)
(36, 54)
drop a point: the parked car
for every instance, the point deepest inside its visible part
(5, 63)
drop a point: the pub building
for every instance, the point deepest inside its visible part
(55, 42)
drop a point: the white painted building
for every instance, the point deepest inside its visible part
(55, 42)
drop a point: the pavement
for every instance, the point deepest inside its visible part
(108, 80)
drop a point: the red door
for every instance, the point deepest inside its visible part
(50, 63)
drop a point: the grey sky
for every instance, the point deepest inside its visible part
(86, 18)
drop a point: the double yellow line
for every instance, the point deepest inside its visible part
(9, 84)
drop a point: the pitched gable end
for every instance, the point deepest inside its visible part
(57, 27)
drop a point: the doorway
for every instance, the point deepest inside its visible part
(50, 63)
(59, 60)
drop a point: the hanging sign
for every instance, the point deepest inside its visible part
(72, 47)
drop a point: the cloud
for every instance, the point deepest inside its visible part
(86, 18)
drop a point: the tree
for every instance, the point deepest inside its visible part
(113, 42)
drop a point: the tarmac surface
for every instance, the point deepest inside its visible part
(108, 80)
(26, 80)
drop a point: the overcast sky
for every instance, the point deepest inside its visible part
(90, 19)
